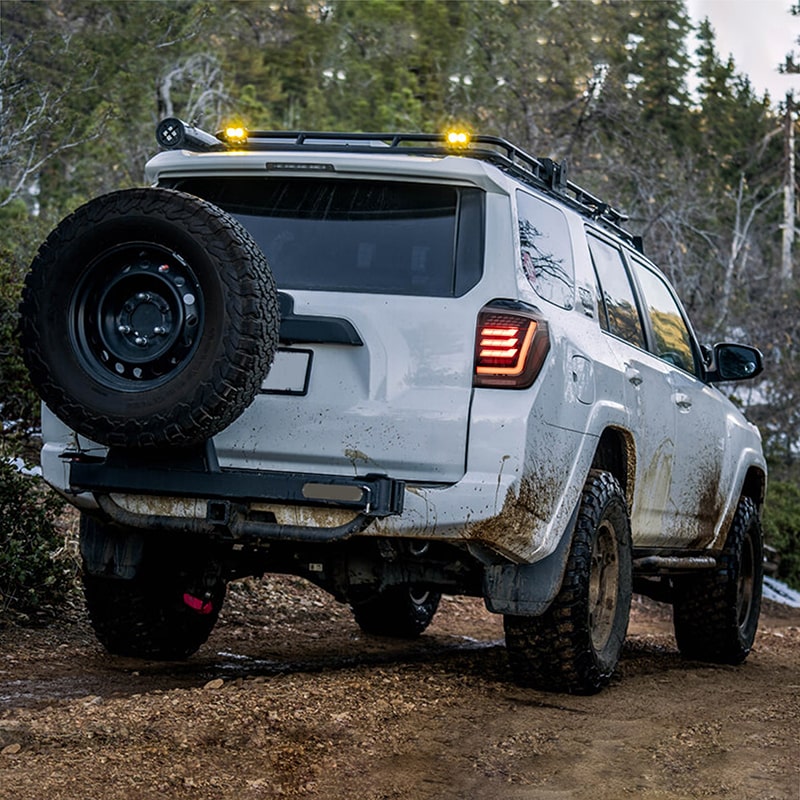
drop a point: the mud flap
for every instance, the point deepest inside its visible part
(109, 552)
(526, 590)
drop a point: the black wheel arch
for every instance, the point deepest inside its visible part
(616, 454)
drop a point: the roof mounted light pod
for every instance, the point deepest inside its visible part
(234, 135)
(541, 173)
(457, 138)
(175, 134)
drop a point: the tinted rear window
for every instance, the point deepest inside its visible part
(357, 235)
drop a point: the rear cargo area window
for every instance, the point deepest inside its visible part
(545, 248)
(371, 236)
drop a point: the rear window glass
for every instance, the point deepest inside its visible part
(358, 235)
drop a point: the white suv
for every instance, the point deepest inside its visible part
(469, 380)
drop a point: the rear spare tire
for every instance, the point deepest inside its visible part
(149, 317)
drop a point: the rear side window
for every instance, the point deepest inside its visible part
(382, 237)
(618, 312)
(546, 250)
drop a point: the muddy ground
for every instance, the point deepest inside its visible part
(289, 699)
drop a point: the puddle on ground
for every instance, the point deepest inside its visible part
(107, 676)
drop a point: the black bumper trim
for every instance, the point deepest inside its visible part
(131, 473)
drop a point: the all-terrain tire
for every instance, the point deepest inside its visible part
(715, 612)
(149, 317)
(164, 612)
(576, 644)
(402, 612)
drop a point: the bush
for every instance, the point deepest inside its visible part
(36, 568)
(19, 236)
(19, 405)
(782, 528)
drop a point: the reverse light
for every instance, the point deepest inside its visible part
(510, 348)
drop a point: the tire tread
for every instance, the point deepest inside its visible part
(247, 348)
(554, 651)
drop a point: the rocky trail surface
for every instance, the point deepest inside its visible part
(288, 699)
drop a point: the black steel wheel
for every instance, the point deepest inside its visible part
(715, 612)
(136, 313)
(576, 644)
(149, 317)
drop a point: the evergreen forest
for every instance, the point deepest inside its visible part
(639, 102)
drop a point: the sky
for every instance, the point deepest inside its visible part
(758, 34)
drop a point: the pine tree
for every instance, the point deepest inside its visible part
(660, 65)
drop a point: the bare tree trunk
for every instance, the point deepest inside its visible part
(788, 195)
(735, 260)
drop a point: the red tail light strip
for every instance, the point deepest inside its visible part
(510, 349)
(500, 351)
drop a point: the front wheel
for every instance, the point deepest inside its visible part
(715, 613)
(576, 644)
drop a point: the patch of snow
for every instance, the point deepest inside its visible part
(19, 464)
(780, 593)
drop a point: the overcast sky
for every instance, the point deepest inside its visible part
(759, 34)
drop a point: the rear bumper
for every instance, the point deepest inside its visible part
(226, 501)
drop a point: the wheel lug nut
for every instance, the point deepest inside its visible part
(159, 330)
(142, 296)
(140, 340)
(124, 329)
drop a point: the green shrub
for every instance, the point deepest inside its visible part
(18, 401)
(782, 528)
(19, 237)
(37, 569)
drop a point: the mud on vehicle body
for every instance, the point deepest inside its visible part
(398, 369)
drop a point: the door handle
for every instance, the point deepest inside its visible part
(683, 401)
(633, 375)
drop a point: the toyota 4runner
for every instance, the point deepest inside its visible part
(397, 365)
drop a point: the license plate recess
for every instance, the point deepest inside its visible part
(290, 372)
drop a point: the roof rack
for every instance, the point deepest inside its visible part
(541, 173)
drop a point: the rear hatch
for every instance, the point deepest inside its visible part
(374, 374)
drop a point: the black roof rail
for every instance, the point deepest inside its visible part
(541, 173)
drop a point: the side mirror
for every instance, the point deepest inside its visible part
(735, 362)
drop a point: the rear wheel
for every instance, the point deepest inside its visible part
(165, 611)
(403, 612)
(576, 644)
(715, 613)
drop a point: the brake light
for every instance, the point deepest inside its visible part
(510, 348)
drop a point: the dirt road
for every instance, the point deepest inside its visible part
(289, 699)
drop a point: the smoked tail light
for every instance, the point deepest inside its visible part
(510, 348)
